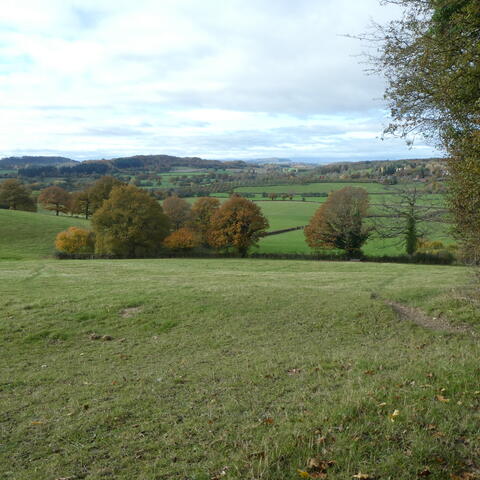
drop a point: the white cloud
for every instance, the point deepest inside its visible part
(218, 79)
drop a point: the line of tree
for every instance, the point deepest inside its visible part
(130, 222)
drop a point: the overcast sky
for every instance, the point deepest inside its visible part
(210, 78)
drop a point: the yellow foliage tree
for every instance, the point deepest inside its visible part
(75, 240)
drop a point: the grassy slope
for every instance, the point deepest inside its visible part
(26, 235)
(252, 365)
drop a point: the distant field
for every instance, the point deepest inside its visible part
(287, 214)
(249, 367)
(25, 235)
(324, 187)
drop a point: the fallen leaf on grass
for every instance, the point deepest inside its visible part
(394, 415)
(441, 398)
(363, 476)
(221, 474)
(320, 465)
(425, 472)
(305, 474)
(268, 421)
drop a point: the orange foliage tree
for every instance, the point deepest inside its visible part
(201, 216)
(75, 240)
(182, 239)
(239, 224)
(56, 199)
(338, 223)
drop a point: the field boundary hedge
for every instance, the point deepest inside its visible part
(418, 258)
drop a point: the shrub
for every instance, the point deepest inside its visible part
(75, 240)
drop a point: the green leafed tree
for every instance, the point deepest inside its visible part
(130, 223)
(16, 196)
(100, 191)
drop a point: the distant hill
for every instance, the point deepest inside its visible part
(37, 161)
(159, 163)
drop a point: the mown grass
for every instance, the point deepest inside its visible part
(244, 367)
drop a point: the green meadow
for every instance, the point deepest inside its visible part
(226, 368)
(27, 235)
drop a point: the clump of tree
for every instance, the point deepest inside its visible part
(75, 240)
(339, 222)
(55, 199)
(16, 196)
(431, 61)
(183, 240)
(86, 202)
(238, 224)
(130, 223)
(100, 191)
(177, 210)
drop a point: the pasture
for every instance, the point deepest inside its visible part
(203, 369)
(27, 235)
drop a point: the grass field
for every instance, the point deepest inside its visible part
(205, 369)
(323, 187)
(31, 235)
(233, 369)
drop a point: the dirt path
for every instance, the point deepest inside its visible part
(418, 317)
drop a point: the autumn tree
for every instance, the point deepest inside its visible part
(16, 196)
(182, 239)
(177, 210)
(100, 191)
(239, 224)
(339, 222)
(201, 216)
(75, 240)
(81, 203)
(56, 199)
(130, 223)
(430, 58)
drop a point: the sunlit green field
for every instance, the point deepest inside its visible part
(324, 187)
(31, 235)
(176, 369)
